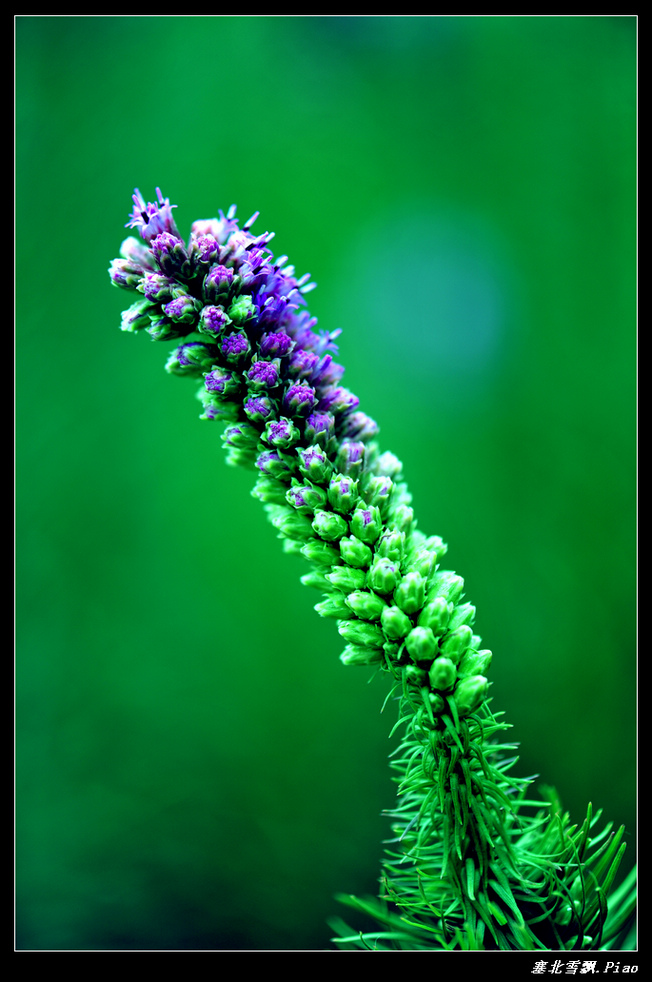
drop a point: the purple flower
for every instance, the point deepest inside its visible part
(358, 426)
(271, 463)
(255, 268)
(152, 219)
(303, 363)
(213, 320)
(136, 252)
(263, 374)
(190, 359)
(299, 399)
(126, 273)
(307, 338)
(235, 347)
(258, 408)
(241, 242)
(205, 248)
(338, 400)
(276, 345)
(217, 282)
(281, 433)
(220, 381)
(273, 309)
(138, 316)
(182, 310)
(241, 436)
(351, 458)
(320, 428)
(170, 253)
(157, 288)
(220, 228)
(327, 372)
(193, 353)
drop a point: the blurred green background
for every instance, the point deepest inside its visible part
(195, 767)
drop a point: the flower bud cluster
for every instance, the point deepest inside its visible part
(270, 378)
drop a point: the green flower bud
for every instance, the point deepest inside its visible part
(384, 575)
(241, 309)
(270, 491)
(402, 517)
(334, 606)
(163, 329)
(314, 463)
(217, 407)
(421, 644)
(470, 693)
(137, 317)
(197, 359)
(392, 650)
(289, 522)
(320, 553)
(240, 457)
(475, 662)
(291, 546)
(343, 493)
(317, 579)
(366, 523)
(355, 655)
(388, 465)
(361, 633)
(351, 458)
(276, 464)
(305, 498)
(240, 443)
(366, 605)
(437, 703)
(355, 553)
(416, 542)
(424, 562)
(410, 593)
(456, 642)
(395, 623)
(464, 614)
(127, 274)
(442, 674)
(346, 578)
(241, 436)
(436, 615)
(437, 545)
(330, 526)
(415, 675)
(446, 584)
(378, 492)
(391, 545)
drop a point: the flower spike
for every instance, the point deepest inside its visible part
(470, 866)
